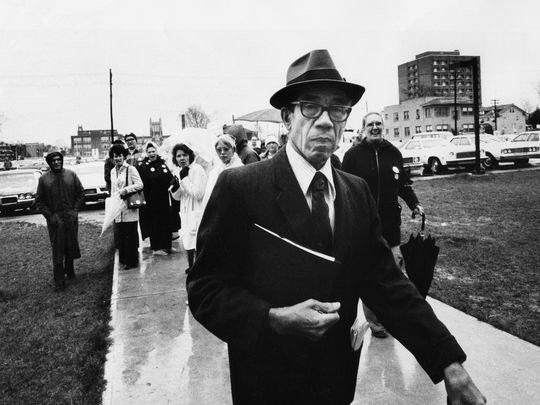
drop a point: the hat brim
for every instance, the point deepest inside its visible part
(285, 95)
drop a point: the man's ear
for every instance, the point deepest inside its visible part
(286, 117)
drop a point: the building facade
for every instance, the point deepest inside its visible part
(427, 114)
(92, 143)
(429, 75)
(510, 119)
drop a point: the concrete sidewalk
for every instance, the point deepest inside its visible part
(161, 355)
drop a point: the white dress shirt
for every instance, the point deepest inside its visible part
(304, 172)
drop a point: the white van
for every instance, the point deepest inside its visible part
(433, 135)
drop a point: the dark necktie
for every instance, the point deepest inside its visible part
(320, 218)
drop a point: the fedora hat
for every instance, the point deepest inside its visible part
(313, 68)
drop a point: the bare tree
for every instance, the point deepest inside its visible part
(526, 105)
(196, 117)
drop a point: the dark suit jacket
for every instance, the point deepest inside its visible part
(274, 369)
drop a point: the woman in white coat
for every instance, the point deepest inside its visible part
(126, 222)
(190, 184)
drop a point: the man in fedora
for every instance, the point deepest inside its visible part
(286, 248)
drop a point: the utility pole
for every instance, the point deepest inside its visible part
(474, 64)
(495, 112)
(455, 103)
(110, 105)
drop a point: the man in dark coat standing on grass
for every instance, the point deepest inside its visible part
(59, 196)
(284, 311)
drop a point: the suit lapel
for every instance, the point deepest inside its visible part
(290, 199)
(343, 218)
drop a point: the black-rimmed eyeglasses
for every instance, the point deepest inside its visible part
(337, 113)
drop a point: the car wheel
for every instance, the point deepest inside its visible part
(490, 162)
(522, 163)
(435, 165)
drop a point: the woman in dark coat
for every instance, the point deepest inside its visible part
(156, 178)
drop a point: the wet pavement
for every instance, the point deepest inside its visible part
(161, 355)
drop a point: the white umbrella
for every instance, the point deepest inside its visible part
(200, 140)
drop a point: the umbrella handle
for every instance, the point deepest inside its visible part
(423, 223)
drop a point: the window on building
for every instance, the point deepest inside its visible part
(468, 127)
(511, 109)
(87, 139)
(407, 131)
(442, 127)
(418, 129)
(396, 116)
(386, 131)
(406, 115)
(427, 112)
(104, 139)
(467, 111)
(429, 128)
(441, 112)
(396, 132)
(417, 114)
(386, 117)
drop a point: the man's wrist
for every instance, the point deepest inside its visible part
(274, 320)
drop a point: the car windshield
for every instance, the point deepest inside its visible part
(13, 183)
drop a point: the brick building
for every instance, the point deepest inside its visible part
(427, 114)
(429, 75)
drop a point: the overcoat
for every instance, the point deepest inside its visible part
(61, 195)
(190, 194)
(267, 368)
(382, 169)
(154, 218)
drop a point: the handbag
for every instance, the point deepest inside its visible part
(135, 199)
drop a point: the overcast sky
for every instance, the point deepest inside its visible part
(230, 56)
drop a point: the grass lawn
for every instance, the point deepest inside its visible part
(488, 229)
(53, 345)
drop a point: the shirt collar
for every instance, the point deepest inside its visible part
(304, 172)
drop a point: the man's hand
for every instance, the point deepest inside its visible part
(418, 210)
(310, 318)
(460, 387)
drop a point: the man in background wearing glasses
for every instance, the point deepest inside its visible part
(380, 164)
(288, 245)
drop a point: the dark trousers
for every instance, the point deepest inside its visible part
(128, 243)
(61, 270)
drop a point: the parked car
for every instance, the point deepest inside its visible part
(18, 190)
(91, 176)
(433, 135)
(412, 156)
(523, 147)
(437, 154)
(498, 150)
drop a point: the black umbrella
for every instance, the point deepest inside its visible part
(420, 255)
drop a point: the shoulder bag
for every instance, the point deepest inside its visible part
(135, 199)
